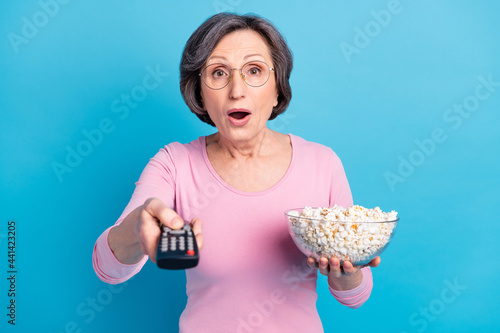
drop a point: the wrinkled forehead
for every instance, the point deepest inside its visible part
(239, 47)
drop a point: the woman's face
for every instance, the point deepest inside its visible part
(239, 111)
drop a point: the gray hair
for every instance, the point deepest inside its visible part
(203, 41)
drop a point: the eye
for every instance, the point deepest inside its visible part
(218, 72)
(253, 70)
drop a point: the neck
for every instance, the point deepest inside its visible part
(260, 145)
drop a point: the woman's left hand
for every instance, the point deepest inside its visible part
(343, 277)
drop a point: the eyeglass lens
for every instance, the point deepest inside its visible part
(217, 76)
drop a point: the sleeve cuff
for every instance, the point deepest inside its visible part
(107, 267)
(356, 297)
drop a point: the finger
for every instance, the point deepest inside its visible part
(349, 268)
(323, 266)
(196, 224)
(149, 234)
(154, 211)
(162, 213)
(312, 263)
(375, 262)
(335, 269)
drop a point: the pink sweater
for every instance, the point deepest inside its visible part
(251, 277)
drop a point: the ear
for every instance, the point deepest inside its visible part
(202, 103)
(276, 99)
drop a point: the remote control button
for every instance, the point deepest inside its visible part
(177, 232)
(190, 252)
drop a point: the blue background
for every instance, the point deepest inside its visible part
(370, 106)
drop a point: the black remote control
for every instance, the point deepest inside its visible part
(177, 248)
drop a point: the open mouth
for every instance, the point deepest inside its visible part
(239, 117)
(239, 114)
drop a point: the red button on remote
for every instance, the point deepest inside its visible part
(190, 252)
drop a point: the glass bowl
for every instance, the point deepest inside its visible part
(357, 242)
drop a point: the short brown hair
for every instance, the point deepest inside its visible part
(203, 41)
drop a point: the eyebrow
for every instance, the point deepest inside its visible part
(244, 58)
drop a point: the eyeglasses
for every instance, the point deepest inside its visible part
(254, 73)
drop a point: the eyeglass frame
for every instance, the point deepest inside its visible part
(241, 74)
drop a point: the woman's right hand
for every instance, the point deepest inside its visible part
(139, 232)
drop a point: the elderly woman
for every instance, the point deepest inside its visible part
(233, 186)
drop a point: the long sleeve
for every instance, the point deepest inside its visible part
(157, 180)
(236, 225)
(340, 191)
(341, 195)
(107, 267)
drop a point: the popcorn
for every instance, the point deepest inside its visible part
(353, 234)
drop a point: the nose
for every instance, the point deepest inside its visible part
(237, 85)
